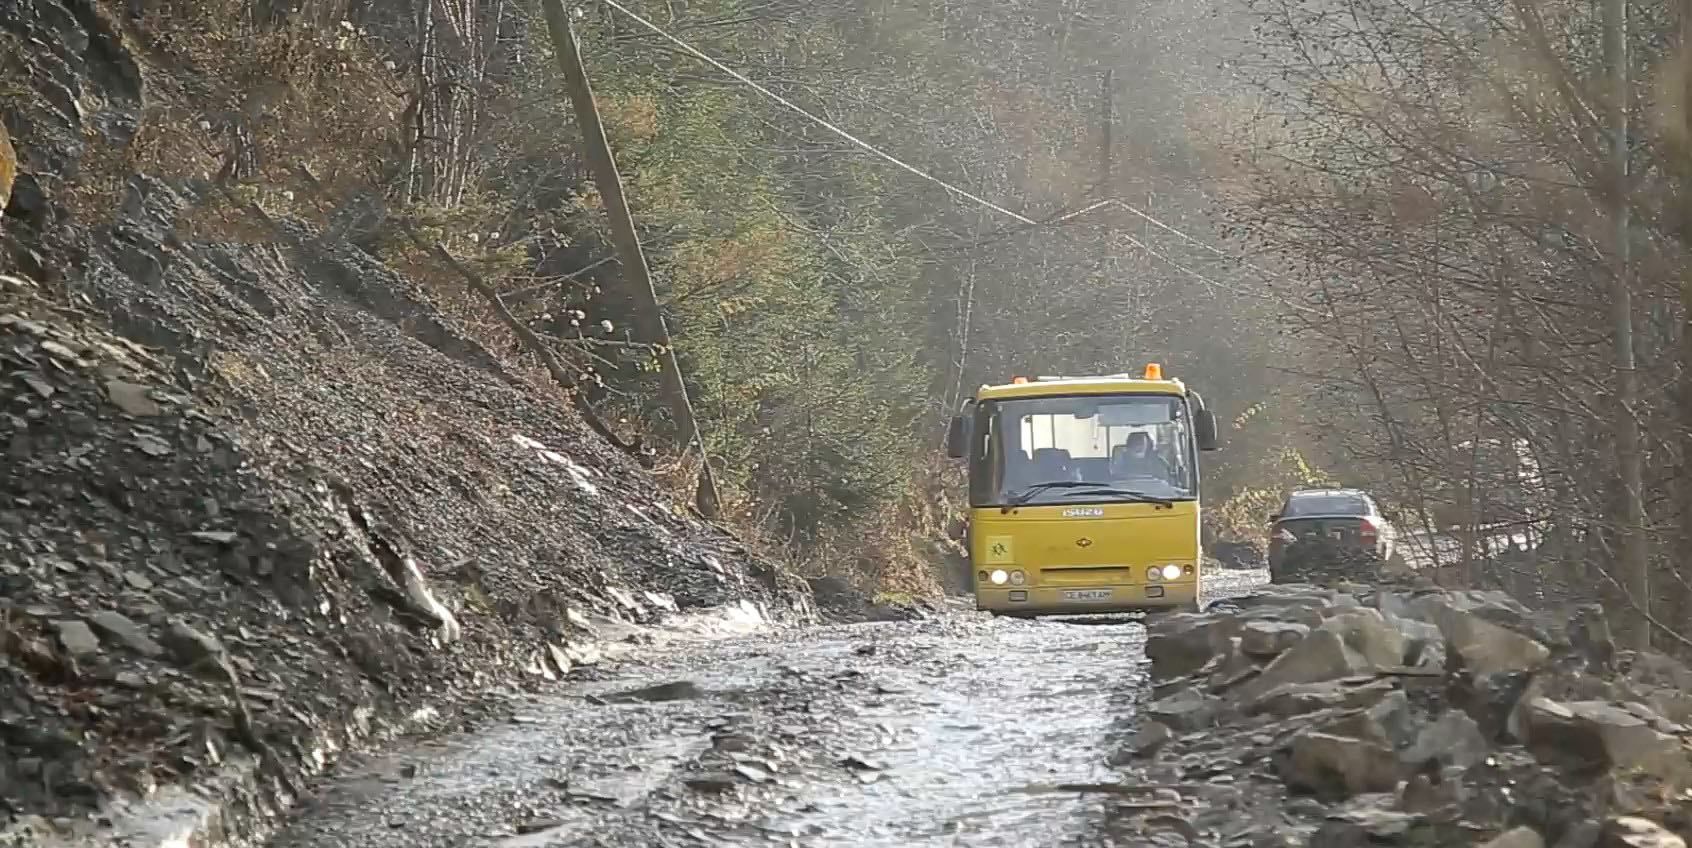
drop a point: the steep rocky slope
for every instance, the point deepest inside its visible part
(260, 497)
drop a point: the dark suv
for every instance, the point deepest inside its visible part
(1328, 532)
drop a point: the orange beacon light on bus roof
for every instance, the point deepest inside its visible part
(1154, 371)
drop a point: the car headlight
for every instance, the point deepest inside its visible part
(999, 577)
(1170, 572)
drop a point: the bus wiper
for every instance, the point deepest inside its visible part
(1023, 497)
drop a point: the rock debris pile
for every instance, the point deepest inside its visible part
(1414, 717)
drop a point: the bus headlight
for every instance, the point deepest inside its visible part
(998, 577)
(1171, 572)
(1018, 578)
(1154, 574)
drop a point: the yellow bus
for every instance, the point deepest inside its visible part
(1084, 493)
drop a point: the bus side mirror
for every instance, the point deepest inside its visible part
(957, 438)
(1205, 423)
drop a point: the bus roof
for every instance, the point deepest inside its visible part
(1107, 385)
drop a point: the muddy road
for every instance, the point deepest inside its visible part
(958, 730)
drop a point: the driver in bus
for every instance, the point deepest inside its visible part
(1138, 458)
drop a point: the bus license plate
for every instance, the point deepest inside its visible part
(1086, 595)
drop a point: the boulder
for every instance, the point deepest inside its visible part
(1453, 739)
(1597, 732)
(1186, 710)
(1636, 832)
(1184, 643)
(1319, 657)
(77, 638)
(1366, 632)
(1335, 767)
(1396, 719)
(1483, 646)
(1235, 667)
(1367, 826)
(1295, 699)
(1267, 638)
(1284, 597)
(1148, 740)
(1521, 837)
(121, 629)
(1424, 644)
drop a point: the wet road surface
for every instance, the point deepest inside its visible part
(960, 730)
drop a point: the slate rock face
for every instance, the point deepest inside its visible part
(269, 476)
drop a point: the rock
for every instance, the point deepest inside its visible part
(1521, 837)
(1267, 639)
(680, 690)
(1424, 644)
(189, 645)
(1289, 596)
(1335, 767)
(1183, 643)
(1394, 716)
(1366, 632)
(119, 628)
(1453, 739)
(1433, 793)
(1493, 699)
(132, 399)
(1363, 827)
(1354, 724)
(715, 784)
(1301, 698)
(832, 590)
(77, 638)
(1595, 732)
(1236, 666)
(1484, 647)
(1636, 832)
(1583, 834)
(532, 826)
(423, 601)
(1149, 739)
(1186, 710)
(1319, 657)
(560, 658)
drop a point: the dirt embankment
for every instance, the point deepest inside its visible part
(1411, 716)
(260, 499)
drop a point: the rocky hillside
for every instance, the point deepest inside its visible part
(261, 498)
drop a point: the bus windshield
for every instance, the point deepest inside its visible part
(1055, 449)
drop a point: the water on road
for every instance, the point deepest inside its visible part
(960, 730)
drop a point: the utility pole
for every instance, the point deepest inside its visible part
(648, 316)
(1634, 553)
(1107, 145)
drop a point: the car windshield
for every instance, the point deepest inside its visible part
(1338, 503)
(1090, 449)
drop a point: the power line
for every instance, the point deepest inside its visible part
(953, 189)
(1151, 219)
(819, 121)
